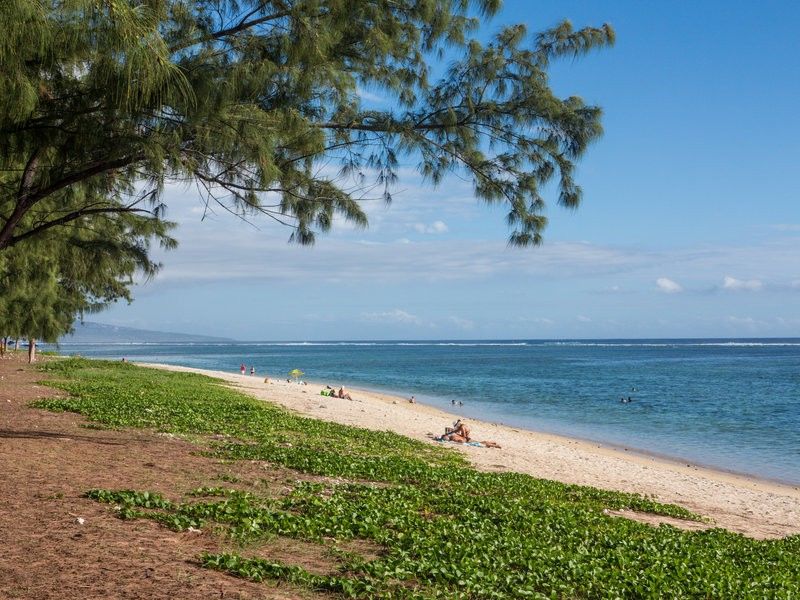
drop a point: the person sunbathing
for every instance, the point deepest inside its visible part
(454, 437)
(456, 426)
(344, 394)
(459, 433)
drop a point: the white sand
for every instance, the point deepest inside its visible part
(754, 507)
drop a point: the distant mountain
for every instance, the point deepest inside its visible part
(100, 333)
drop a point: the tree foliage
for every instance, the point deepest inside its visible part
(48, 280)
(258, 104)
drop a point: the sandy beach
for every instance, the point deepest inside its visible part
(753, 507)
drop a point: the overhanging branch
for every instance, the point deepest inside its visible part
(72, 217)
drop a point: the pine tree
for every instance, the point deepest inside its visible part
(48, 281)
(102, 102)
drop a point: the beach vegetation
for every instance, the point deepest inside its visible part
(444, 529)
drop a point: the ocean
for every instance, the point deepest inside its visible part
(728, 404)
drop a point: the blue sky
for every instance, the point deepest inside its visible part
(690, 225)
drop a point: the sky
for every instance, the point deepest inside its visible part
(689, 226)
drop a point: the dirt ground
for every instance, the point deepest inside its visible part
(47, 461)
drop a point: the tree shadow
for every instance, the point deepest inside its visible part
(54, 435)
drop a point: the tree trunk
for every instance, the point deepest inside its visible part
(2, 346)
(31, 351)
(16, 344)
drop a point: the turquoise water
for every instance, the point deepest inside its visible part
(730, 404)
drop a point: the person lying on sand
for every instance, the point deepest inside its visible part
(344, 394)
(460, 434)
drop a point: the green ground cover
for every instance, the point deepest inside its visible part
(446, 530)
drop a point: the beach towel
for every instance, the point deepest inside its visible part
(478, 444)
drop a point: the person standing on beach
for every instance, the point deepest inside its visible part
(242, 369)
(252, 370)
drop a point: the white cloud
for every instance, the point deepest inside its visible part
(227, 249)
(370, 96)
(668, 286)
(731, 283)
(393, 316)
(533, 320)
(433, 228)
(461, 323)
(237, 252)
(583, 319)
(749, 323)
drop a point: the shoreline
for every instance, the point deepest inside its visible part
(615, 447)
(655, 425)
(752, 506)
